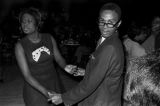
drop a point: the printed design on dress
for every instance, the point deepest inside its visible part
(37, 53)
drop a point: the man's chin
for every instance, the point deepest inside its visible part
(106, 35)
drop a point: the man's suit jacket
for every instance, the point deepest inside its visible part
(102, 83)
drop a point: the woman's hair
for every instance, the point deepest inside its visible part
(33, 12)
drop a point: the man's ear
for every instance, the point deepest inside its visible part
(119, 23)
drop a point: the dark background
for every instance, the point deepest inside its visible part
(84, 12)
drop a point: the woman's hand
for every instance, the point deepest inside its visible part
(50, 93)
(79, 72)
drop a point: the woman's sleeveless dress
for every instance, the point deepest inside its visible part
(40, 60)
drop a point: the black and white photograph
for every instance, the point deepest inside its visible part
(79, 53)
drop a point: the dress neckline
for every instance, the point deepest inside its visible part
(40, 40)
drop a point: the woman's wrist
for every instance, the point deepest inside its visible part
(45, 92)
(64, 67)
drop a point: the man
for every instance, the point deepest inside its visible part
(102, 82)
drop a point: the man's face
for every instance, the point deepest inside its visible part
(108, 22)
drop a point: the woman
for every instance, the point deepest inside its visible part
(35, 54)
(133, 48)
(142, 76)
(142, 81)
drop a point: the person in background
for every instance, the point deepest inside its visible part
(141, 71)
(133, 49)
(142, 79)
(152, 42)
(141, 76)
(35, 54)
(133, 30)
(82, 52)
(142, 36)
(103, 80)
(156, 31)
(1, 65)
(132, 42)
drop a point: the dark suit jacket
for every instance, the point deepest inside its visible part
(102, 83)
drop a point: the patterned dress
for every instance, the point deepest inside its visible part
(142, 81)
(40, 60)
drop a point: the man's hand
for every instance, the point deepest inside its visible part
(70, 69)
(56, 99)
(79, 72)
(74, 70)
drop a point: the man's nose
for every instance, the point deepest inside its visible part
(105, 26)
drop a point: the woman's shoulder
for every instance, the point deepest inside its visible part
(23, 39)
(47, 35)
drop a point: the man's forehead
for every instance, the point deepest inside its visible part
(27, 15)
(108, 14)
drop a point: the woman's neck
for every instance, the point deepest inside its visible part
(34, 37)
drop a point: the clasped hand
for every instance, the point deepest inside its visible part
(74, 70)
(55, 98)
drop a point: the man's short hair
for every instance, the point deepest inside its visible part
(112, 7)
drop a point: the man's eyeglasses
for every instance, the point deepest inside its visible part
(109, 25)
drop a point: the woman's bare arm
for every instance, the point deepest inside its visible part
(58, 57)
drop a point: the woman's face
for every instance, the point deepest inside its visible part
(28, 24)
